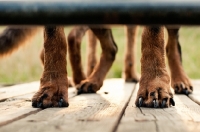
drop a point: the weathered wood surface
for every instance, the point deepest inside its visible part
(111, 109)
(88, 112)
(17, 90)
(17, 107)
(184, 117)
(196, 94)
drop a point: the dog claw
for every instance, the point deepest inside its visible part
(172, 101)
(140, 102)
(185, 91)
(34, 104)
(60, 103)
(80, 91)
(39, 105)
(163, 103)
(155, 103)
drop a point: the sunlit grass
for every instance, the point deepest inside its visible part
(24, 64)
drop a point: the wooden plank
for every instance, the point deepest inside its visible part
(184, 117)
(87, 112)
(23, 89)
(17, 90)
(195, 96)
(20, 106)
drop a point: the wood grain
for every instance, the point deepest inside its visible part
(17, 90)
(88, 112)
(184, 117)
(195, 96)
(19, 107)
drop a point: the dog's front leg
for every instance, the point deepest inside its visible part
(154, 90)
(109, 49)
(53, 91)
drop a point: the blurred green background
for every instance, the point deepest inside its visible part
(24, 64)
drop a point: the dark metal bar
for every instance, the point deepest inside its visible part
(70, 12)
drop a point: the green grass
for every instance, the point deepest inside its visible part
(24, 64)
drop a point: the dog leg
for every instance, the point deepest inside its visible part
(53, 91)
(179, 79)
(70, 82)
(130, 72)
(74, 46)
(154, 90)
(91, 52)
(109, 49)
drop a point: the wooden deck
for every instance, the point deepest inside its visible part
(111, 109)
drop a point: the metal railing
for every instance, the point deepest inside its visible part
(70, 12)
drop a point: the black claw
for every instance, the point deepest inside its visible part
(191, 87)
(39, 105)
(172, 101)
(176, 89)
(80, 91)
(163, 103)
(63, 103)
(34, 104)
(60, 103)
(185, 91)
(140, 102)
(155, 103)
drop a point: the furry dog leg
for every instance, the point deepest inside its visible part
(74, 42)
(109, 49)
(179, 79)
(130, 71)
(154, 90)
(91, 52)
(53, 91)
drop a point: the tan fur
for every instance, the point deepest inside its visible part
(14, 37)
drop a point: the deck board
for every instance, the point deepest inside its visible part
(184, 117)
(17, 90)
(195, 96)
(111, 109)
(17, 107)
(88, 112)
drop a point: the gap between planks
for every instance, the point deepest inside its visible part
(18, 107)
(87, 112)
(184, 117)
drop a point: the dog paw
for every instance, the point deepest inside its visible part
(183, 88)
(53, 93)
(88, 86)
(154, 93)
(182, 84)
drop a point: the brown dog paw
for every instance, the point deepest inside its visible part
(52, 93)
(154, 93)
(88, 86)
(182, 86)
